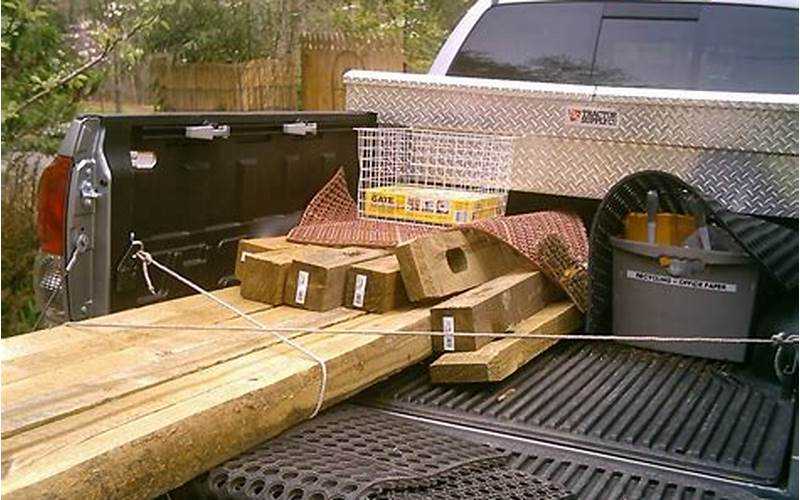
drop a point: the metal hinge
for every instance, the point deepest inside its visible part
(300, 128)
(86, 187)
(208, 132)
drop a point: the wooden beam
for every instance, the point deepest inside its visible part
(444, 263)
(154, 440)
(492, 307)
(259, 245)
(375, 285)
(39, 352)
(317, 279)
(499, 359)
(263, 275)
(86, 383)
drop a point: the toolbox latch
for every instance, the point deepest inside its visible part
(300, 128)
(208, 132)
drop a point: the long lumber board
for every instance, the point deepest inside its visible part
(194, 307)
(42, 351)
(90, 382)
(151, 441)
(499, 359)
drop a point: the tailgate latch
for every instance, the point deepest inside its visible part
(208, 132)
(300, 128)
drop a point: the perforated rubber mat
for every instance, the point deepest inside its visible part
(354, 452)
(657, 407)
(474, 481)
(529, 470)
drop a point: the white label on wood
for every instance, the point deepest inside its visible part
(245, 255)
(448, 327)
(302, 286)
(360, 289)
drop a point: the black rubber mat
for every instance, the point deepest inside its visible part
(280, 469)
(657, 407)
(354, 452)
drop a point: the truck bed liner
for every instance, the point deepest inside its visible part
(661, 408)
(317, 448)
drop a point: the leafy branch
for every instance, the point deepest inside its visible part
(105, 52)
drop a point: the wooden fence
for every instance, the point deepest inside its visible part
(265, 84)
(260, 84)
(325, 57)
(123, 88)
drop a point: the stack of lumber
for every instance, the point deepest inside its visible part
(473, 282)
(130, 411)
(107, 413)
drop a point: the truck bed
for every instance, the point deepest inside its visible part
(669, 410)
(600, 420)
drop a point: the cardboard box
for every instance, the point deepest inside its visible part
(430, 205)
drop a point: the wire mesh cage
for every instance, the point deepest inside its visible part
(432, 177)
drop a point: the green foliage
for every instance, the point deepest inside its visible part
(19, 311)
(423, 25)
(33, 52)
(240, 30)
(45, 77)
(222, 30)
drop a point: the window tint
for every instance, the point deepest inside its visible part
(729, 48)
(684, 46)
(749, 49)
(536, 42)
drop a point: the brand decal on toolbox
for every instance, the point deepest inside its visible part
(660, 279)
(592, 117)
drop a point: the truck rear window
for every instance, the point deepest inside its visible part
(682, 46)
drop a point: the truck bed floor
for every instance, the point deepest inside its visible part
(657, 408)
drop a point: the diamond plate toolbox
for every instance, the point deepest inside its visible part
(580, 140)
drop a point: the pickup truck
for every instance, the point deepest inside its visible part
(704, 90)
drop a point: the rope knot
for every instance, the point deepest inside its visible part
(783, 338)
(146, 259)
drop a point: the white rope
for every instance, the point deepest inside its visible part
(775, 339)
(148, 259)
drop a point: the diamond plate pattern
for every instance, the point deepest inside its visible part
(744, 182)
(742, 152)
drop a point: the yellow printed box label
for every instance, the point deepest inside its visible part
(430, 205)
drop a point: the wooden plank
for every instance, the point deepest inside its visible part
(258, 245)
(263, 275)
(40, 351)
(153, 440)
(499, 359)
(64, 390)
(444, 263)
(317, 279)
(492, 307)
(380, 286)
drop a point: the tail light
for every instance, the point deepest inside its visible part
(51, 213)
(52, 205)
